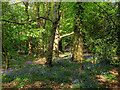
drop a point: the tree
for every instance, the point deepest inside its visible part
(56, 18)
(57, 41)
(78, 36)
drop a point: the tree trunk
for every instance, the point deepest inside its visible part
(52, 36)
(5, 53)
(5, 49)
(30, 47)
(56, 44)
(6, 57)
(26, 10)
(50, 48)
(78, 38)
(57, 41)
(52, 33)
(78, 46)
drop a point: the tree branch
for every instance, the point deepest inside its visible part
(59, 14)
(22, 23)
(14, 22)
(66, 35)
(45, 18)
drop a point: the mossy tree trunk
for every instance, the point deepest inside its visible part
(5, 51)
(78, 46)
(6, 56)
(56, 18)
(78, 36)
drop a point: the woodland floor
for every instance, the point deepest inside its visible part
(29, 72)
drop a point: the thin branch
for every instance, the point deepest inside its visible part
(45, 18)
(66, 35)
(59, 14)
(14, 22)
(22, 23)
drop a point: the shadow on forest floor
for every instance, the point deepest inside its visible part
(63, 74)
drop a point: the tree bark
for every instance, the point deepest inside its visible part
(78, 36)
(78, 46)
(30, 46)
(29, 38)
(6, 56)
(39, 22)
(57, 42)
(52, 34)
(50, 48)
(60, 45)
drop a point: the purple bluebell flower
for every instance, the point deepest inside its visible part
(108, 72)
(75, 81)
(14, 77)
(62, 84)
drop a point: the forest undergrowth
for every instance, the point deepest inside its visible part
(63, 74)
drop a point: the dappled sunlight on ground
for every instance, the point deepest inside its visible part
(63, 74)
(40, 61)
(106, 82)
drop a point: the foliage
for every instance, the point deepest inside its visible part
(28, 28)
(103, 45)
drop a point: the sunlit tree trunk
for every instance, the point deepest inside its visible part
(57, 41)
(78, 36)
(30, 46)
(52, 33)
(78, 46)
(56, 44)
(50, 48)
